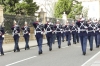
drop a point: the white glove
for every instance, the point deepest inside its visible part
(29, 33)
(35, 32)
(19, 34)
(41, 32)
(3, 36)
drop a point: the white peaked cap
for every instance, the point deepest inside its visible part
(25, 22)
(57, 20)
(37, 19)
(47, 19)
(14, 21)
(82, 19)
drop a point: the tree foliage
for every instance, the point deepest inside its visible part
(27, 7)
(70, 7)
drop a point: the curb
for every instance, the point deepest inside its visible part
(23, 48)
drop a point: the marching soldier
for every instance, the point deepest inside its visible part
(68, 33)
(82, 30)
(63, 33)
(58, 33)
(90, 34)
(39, 35)
(1, 39)
(26, 35)
(74, 32)
(96, 32)
(16, 35)
(49, 32)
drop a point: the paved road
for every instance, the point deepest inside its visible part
(66, 56)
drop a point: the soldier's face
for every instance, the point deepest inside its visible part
(14, 23)
(25, 24)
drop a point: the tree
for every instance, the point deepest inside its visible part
(9, 6)
(31, 7)
(27, 7)
(70, 7)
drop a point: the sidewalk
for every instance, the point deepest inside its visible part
(10, 47)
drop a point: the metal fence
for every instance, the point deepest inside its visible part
(9, 19)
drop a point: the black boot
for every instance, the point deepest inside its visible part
(84, 53)
(14, 50)
(59, 47)
(50, 49)
(91, 49)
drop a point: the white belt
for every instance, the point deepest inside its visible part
(90, 31)
(82, 30)
(38, 31)
(48, 31)
(58, 31)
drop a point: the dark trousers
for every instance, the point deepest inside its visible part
(83, 40)
(26, 41)
(77, 37)
(63, 35)
(59, 40)
(98, 40)
(1, 49)
(74, 38)
(53, 38)
(39, 42)
(49, 39)
(90, 38)
(68, 38)
(16, 40)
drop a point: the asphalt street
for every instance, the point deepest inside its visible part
(66, 56)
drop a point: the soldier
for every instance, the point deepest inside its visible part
(1, 39)
(39, 35)
(82, 30)
(63, 33)
(77, 34)
(68, 33)
(96, 32)
(90, 34)
(49, 32)
(26, 35)
(98, 35)
(74, 32)
(58, 33)
(16, 35)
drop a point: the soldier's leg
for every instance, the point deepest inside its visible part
(84, 44)
(17, 41)
(50, 48)
(62, 37)
(73, 37)
(91, 43)
(28, 42)
(77, 37)
(47, 40)
(97, 41)
(81, 40)
(40, 45)
(1, 49)
(68, 40)
(15, 46)
(59, 38)
(25, 42)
